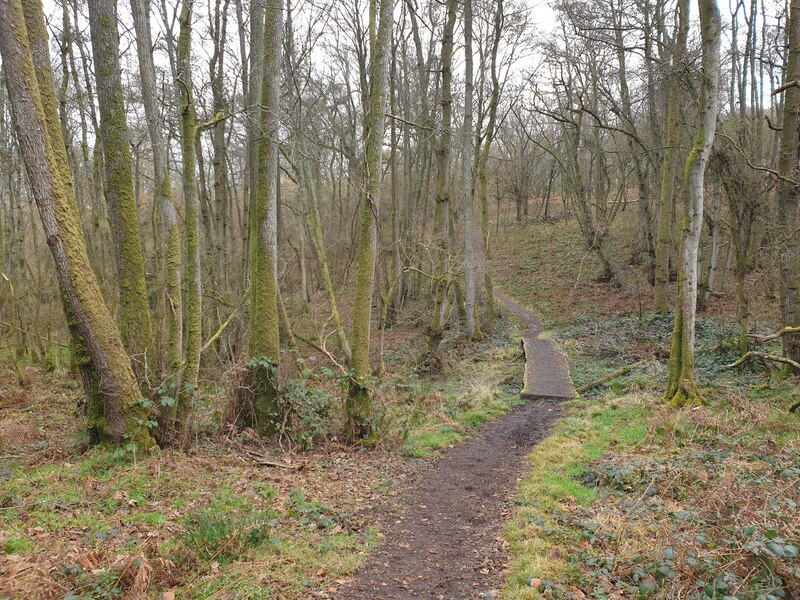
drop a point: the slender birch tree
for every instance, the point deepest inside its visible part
(483, 161)
(442, 207)
(681, 388)
(162, 191)
(473, 322)
(672, 136)
(192, 279)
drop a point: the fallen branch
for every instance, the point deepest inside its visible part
(764, 356)
(262, 461)
(219, 331)
(321, 348)
(606, 378)
(762, 339)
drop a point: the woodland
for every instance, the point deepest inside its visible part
(372, 299)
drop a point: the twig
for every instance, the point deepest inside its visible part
(25, 331)
(220, 331)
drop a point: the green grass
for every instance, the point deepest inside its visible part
(422, 443)
(481, 384)
(553, 484)
(18, 545)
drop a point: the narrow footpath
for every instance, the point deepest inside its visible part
(445, 543)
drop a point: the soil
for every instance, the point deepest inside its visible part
(446, 541)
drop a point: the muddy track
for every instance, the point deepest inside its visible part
(446, 541)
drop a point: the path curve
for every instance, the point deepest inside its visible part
(446, 541)
(546, 371)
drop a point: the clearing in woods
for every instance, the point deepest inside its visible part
(446, 541)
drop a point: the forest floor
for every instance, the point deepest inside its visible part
(626, 496)
(235, 517)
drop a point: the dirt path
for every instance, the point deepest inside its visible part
(446, 541)
(546, 373)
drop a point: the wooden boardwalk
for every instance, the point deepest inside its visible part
(546, 371)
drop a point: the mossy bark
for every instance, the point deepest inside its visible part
(681, 387)
(26, 62)
(261, 405)
(134, 314)
(359, 399)
(672, 136)
(789, 195)
(192, 279)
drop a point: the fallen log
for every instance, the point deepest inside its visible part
(606, 378)
(763, 356)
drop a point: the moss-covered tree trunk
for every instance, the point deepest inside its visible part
(134, 312)
(162, 194)
(672, 137)
(441, 219)
(789, 195)
(260, 407)
(359, 400)
(308, 192)
(192, 279)
(253, 122)
(122, 417)
(681, 388)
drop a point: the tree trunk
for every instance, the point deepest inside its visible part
(162, 193)
(442, 208)
(473, 322)
(261, 409)
(359, 400)
(789, 195)
(483, 160)
(192, 280)
(121, 417)
(681, 388)
(671, 143)
(135, 324)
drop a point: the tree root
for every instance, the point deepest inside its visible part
(687, 395)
